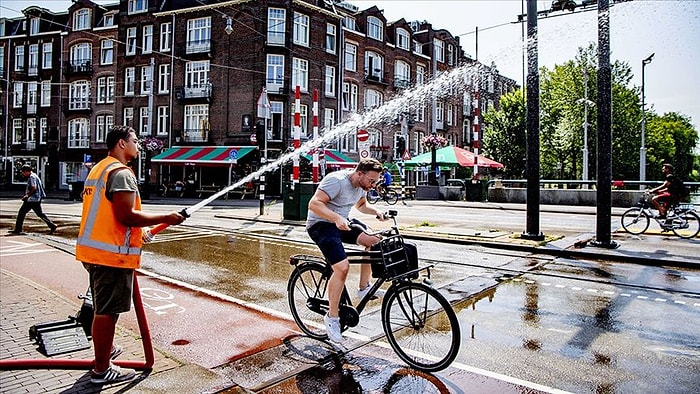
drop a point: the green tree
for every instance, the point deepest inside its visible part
(671, 138)
(504, 134)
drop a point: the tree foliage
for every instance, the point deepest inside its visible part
(504, 136)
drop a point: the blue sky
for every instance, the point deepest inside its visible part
(668, 28)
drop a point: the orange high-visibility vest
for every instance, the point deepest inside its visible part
(102, 239)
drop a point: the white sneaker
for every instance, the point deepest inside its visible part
(361, 293)
(333, 329)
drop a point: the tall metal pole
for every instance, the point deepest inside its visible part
(432, 176)
(533, 128)
(585, 126)
(643, 148)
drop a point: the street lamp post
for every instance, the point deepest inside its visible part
(643, 148)
(586, 103)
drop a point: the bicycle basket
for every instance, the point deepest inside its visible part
(398, 258)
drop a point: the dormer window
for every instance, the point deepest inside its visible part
(375, 28)
(109, 20)
(81, 19)
(34, 26)
(137, 6)
(403, 39)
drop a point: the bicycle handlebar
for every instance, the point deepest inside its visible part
(365, 229)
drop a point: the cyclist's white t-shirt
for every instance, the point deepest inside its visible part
(343, 196)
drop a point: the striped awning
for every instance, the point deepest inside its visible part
(202, 155)
(334, 158)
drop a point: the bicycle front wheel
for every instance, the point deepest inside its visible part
(308, 298)
(635, 221)
(686, 225)
(391, 197)
(421, 326)
(372, 196)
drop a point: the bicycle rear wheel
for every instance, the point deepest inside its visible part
(686, 225)
(372, 196)
(635, 221)
(391, 197)
(421, 326)
(308, 298)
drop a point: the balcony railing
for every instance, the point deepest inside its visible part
(402, 83)
(195, 135)
(30, 145)
(199, 46)
(74, 105)
(189, 92)
(78, 68)
(31, 109)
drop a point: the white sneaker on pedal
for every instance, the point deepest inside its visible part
(333, 329)
(361, 293)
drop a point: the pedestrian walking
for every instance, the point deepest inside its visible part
(109, 245)
(31, 201)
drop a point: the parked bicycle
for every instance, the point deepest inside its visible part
(419, 323)
(680, 218)
(387, 194)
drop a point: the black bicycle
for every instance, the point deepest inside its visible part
(419, 323)
(680, 218)
(387, 194)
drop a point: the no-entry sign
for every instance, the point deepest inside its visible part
(362, 135)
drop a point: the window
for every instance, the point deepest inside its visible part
(349, 101)
(110, 89)
(276, 110)
(450, 114)
(330, 37)
(33, 68)
(100, 128)
(351, 57)
(129, 81)
(330, 81)
(19, 58)
(146, 79)
(451, 55)
(303, 121)
(163, 78)
(438, 47)
(197, 74)
(490, 83)
(196, 123)
(420, 75)
(81, 54)
(17, 131)
(34, 26)
(374, 66)
(31, 130)
(2, 58)
(349, 22)
(166, 35)
(101, 90)
(300, 74)
(163, 127)
(128, 116)
(402, 74)
(147, 39)
(301, 29)
(79, 133)
(107, 52)
(198, 35)
(275, 26)
(32, 97)
(439, 111)
(81, 19)
(43, 130)
(137, 6)
(109, 20)
(143, 121)
(18, 96)
(45, 93)
(373, 98)
(375, 28)
(79, 95)
(131, 41)
(328, 119)
(275, 72)
(403, 39)
(47, 52)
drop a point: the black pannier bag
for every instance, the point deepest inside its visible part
(394, 259)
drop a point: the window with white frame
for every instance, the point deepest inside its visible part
(18, 94)
(196, 123)
(129, 81)
(451, 54)
(31, 130)
(47, 55)
(328, 119)
(374, 65)
(110, 89)
(275, 72)
(131, 41)
(403, 39)
(402, 74)
(19, 58)
(43, 130)
(277, 112)
(2, 56)
(373, 98)
(100, 128)
(301, 29)
(331, 36)
(348, 142)
(107, 52)
(17, 131)
(439, 111)
(79, 133)
(101, 90)
(375, 28)
(349, 99)
(330, 81)
(81, 19)
(109, 20)
(163, 78)
(197, 74)
(137, 6)
(439, 48)
(81, 54)
(420, 75)
(146, 79)
(166, 35)
(198, 35)
(79, 95)
(147, 39)
(350, 57)
(163, 126)
(303, 121)
(420, 114)
(128, 119)
(34, 26)
(450, 114)
(276, 26)
(32, 97)
(300, 74)
(143, 121)
(33, 67)
(490, 83)
(350, 23)
(45, 93)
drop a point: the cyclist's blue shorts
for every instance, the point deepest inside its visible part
(330, 240)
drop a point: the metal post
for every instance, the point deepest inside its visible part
(643, 148)
(532, 230)
(585, 127)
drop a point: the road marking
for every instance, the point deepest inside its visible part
(18, 248)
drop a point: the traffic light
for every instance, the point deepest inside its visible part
(400, 146)
(260, 134)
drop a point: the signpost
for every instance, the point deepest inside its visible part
(363, 143)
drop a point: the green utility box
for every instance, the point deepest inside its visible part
(476, 191)
(296, 199)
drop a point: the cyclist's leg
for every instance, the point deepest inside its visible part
(366, 269)
(336, 283)
(329, 239)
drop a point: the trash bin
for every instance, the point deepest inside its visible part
(296, 200)
(476, 191)
(75, 191)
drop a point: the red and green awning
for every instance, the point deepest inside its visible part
(334, 158)
(202, 155)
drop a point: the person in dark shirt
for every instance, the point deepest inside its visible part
(664, 195)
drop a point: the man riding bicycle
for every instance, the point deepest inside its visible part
(385, 182)
(665, 195)
(327, 225)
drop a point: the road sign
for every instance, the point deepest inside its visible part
(233, 154)
(364, 153)
(362, 135)
(406, 155)
(253, 139)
